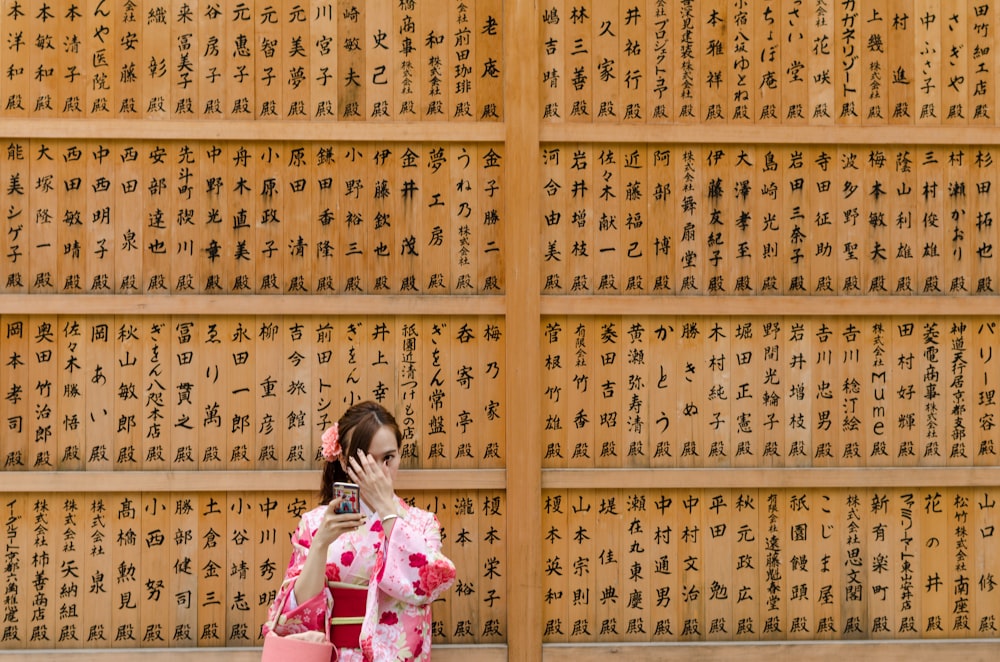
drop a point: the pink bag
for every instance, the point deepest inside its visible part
(294, 649)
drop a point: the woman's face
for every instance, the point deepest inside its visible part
(384, 451)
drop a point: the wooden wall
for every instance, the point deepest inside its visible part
(687, 309)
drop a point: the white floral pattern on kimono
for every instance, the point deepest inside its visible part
(404, 577)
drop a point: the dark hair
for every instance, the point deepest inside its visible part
(357, 427)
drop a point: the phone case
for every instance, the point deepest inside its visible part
(351, 495)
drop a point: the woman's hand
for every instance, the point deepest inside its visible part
(375, 483)
(334, 525)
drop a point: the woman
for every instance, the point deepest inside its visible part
(390, 547)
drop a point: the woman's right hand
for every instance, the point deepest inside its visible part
(334, 525)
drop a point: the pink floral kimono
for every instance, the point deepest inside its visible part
(403, 577)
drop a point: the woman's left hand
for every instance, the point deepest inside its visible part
(375, 483)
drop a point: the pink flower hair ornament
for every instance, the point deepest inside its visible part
(331, 443)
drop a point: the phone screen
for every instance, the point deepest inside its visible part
(350, 496)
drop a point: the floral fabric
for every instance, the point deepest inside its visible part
(404, 577)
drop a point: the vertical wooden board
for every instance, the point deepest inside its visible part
(157, 220)
(241, 527)
(321, 44)
(719, 538)
(636, 412)
(715, 81)
(556, 339)
(883, 605)
(901, 59)
(903, 249)
(182, 585)
(121, 82)
(664, 380)
(99, 243)
(582, 241)
(557, 599)
(380, 362)
(126, 375)
(690, 406)
(688, 73)
(768, 247)
(928, 64)
(849, 215)
(213, 253)
(124, 584)
(635, 230)
(689, 263)
(292, 377)
(827, 400)
(555, 76)
(238, 353)
(555, 208)
(878, 361)
(271, 177)
(489, 213)
(955, 82)
(352, 29)
(661, 46)
(17, 97)
(298, 246)
(717, 412)
(67, 562)
(935, 576)
(609, 395)
(184, 393)
(907, 545)
(210, 568)
(747, 588)
(611, 571)
(68, 417)
(691, 568)
(958, 345)
(827, 563)
(982, 229)
(465, 426)
(406, 91)
(876, 22)
(491, 448)
(409, 390)
(634, 76)
(638, 537)
(186, 243)
(493, 531)
(848, 75)
(607, 242)
(585, 597)
(426, 243)
(394, 270)
(821, 215)
(852, 418)
(931, 229)
(262, 401)
(662, 213)
(274, 518)
(152, 592)
(739, 395)
(295, 63)
(153, 365)
(933, 391)
(876, 215)
(982, 391)
(184, 62)
(582, 392)
(155, 63)
(240, 240)
(325, 217)
(749, 217)
(753, 37)
(794, 73)
(854, 571)
(96, 575)
(42, 411)
(982, 83)
(983, 528)
(664, 565)
(212, 418)
(44, 61)
(210, 63)
(35, 235)
(127, 217)
(580, 62)
(17, 519)
(821, 64)
(906, 404)
(382, 45)
(462, 538)
(962, 549)
(774, 589)
(41, 591)
(789, 419)
(957, 217)
(353, 237)
(462, 61)
(798, 567)
(438, 404)
(349, 385)
(240, 52)
(14, 256)
(489, 99)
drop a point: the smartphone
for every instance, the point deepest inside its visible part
(350, 495)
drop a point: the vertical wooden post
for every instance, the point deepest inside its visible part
(524, 577)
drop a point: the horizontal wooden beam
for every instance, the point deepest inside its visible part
(751, 306)
(771, 478)
(232, 481)
(922, 650)
(442, 653)
(191, 130)
(249, 304)
(761, 134)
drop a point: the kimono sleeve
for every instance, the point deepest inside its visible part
(285, 617)
(415, 570)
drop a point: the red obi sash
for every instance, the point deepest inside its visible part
(349, 602)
